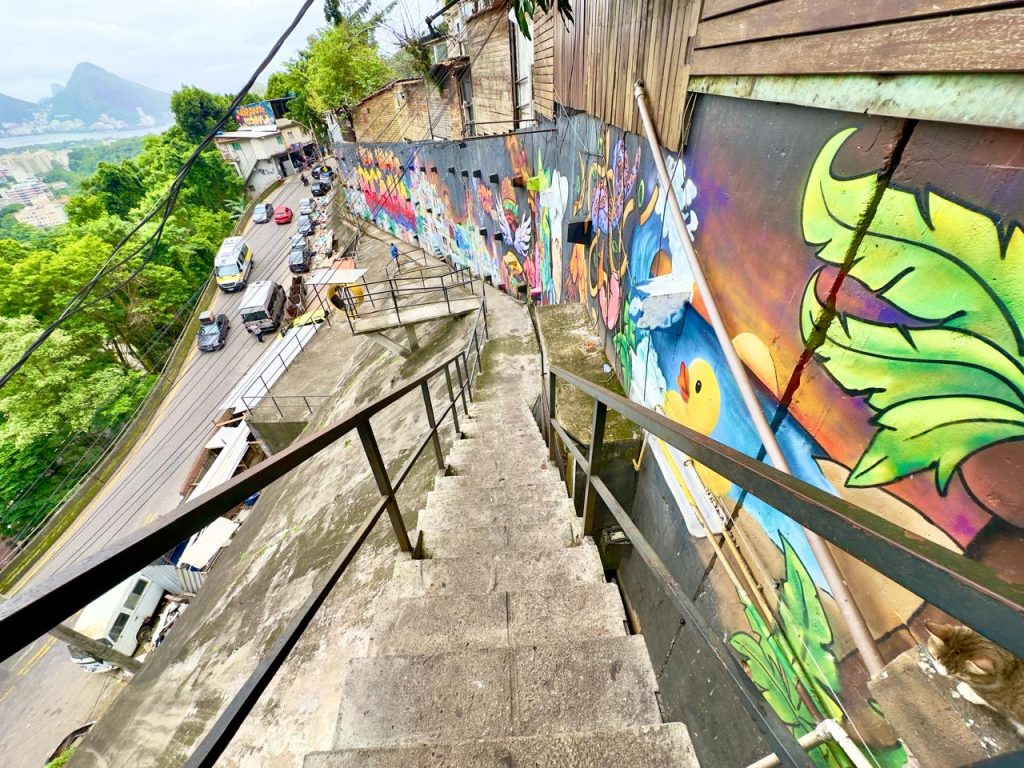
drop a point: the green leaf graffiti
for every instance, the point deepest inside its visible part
(796, 655)
(950, 381)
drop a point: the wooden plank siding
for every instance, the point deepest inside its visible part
(490, 73)
(614, 43)
(544, 64)
(787, 37)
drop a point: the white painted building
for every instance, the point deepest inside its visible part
(42, 212)
(25, 191)
(265, 153)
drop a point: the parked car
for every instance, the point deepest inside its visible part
(298, 240)
(300, 258)
(262, 213)
(213, 331)
(306, 226)
(282, 215)
(306, 206)
(319, 188)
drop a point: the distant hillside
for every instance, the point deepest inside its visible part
(92, 91)
(14, 110)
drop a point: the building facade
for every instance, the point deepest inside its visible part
(263, 154)
(24, 192)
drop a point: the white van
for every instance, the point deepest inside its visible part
(233, 264)
(262, 306)
(115, 619)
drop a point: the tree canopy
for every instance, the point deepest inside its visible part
(67, 402)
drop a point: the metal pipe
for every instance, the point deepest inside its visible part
(826, 730)
(852, 615)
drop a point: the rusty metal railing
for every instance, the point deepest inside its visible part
(965, 589)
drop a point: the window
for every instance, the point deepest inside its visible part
(235, 145)
(279, 139)
(119, 624)
(136, 594)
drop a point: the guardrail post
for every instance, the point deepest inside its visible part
(435, 438)
(380, 474)
(479, 361)
(594, 465)
(446, 301)
(306, 401)
(552, 436)
(462, 386)
(394, 300)
(451, 399)
(469, 374)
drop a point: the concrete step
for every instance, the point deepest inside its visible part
(503, 451)
(465, 482)
(497, 467)
(449, 623)
(501, 572)
(497, 693)
(459, 541)
(526, 515)
(650, 746)
(479, 429)
(509, 494)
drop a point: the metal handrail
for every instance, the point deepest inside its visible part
(966, 589)
(42, 606)
(393, 292)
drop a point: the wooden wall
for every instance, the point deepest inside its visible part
(544, 64)
(488, 46)
(754, 37)
(427, 112)
(614, 43)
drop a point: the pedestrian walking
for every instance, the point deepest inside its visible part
(259, 335)
(394, 257)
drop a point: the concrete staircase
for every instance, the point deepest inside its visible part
(505, 646)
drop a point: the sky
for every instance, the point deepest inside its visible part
(214, 44)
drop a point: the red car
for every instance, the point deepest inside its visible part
(282, 215)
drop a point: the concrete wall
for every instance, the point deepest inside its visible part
(897, 239)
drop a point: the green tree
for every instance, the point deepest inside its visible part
(345, 63)
(196, 111)
(291, 83)
(118, 187)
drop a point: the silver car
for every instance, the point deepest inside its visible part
(262, 213)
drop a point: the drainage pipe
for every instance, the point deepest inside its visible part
(837, 586)
(826, 730)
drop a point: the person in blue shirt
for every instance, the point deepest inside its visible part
(394, 256)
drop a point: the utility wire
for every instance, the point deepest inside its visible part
(166, 205)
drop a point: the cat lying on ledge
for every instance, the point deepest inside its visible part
(988, 674)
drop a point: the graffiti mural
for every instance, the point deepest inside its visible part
(874, 296)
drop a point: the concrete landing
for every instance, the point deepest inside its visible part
(384, 319)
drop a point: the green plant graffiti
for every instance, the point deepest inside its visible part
(949, 381)
(769, 655)
(796, 655)
(625, 342)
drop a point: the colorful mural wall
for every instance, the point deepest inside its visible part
(871, 272)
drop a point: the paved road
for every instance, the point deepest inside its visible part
(43, 694)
